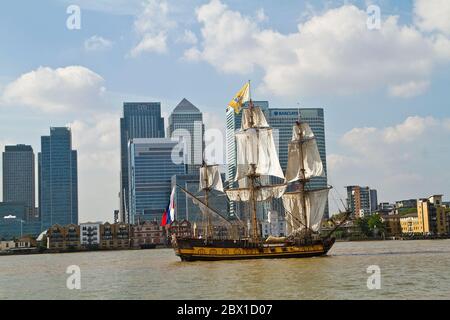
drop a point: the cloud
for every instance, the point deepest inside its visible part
(152, 26)
(405, 160)
(97, 43)
(409, 89)
(332, 53)
(188, 37)
(55, 90)
(97, 142)
(432, 15)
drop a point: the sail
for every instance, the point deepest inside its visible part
(315, 202)
(210, 178)
(256, 146)
(303, 154)
(263, 193)
(253, 118)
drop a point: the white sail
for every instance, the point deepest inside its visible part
(253, 118)
(256, 146)
(315, 202)
(303, 154)
(210, 178)
(261, 193)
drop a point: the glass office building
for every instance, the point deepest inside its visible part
(58, 179)
(140, 120)
(187, 121)
(153, 162)
(18, 175)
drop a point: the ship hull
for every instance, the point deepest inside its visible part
(199, 250)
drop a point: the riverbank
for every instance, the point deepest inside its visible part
(34, 251)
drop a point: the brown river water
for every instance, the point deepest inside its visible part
(408, 270)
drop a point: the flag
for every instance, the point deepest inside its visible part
(164, 218)
(241, 97)
(171, 211)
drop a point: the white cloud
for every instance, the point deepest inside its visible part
(55, 90)
(97, 142)
(432, 15)
(152, 26)
(188, 37)
(409, 89)
(406, 160)
(97, 43)
(332, 53)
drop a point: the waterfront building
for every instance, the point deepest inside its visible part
(181, 229)
(18, 176)
(62, 238)
(6, 245)
(406, 204)
(58, 179)
(147, 233)
(359, 200)
(90, 234)
(392, 225)
(140, 120)
(185, 207)
(114, 236)
(186, 121)
(153, 162)
(432, 217)
(410, 224)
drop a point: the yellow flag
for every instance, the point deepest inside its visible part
(241, 97)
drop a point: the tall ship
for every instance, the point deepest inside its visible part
(257, 165)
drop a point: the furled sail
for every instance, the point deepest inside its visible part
(262, 193)
(303, 153)
(210, 178)
(255, 146)
(315, 202)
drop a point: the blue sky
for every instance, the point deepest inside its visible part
(384, 91)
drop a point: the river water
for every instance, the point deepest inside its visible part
(408, 269)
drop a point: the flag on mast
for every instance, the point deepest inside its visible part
(241, 97)
(171, 212)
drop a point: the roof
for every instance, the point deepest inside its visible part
(185, 106)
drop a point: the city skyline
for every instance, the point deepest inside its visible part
(373, 126)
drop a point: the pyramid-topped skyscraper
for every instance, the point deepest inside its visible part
(186, 121)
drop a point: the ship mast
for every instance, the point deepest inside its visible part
(303, 179)
(207, 189)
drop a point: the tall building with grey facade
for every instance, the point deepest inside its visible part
(281, 120)
(19, 175)
(187, 121)
(140, 120)
(153, 162)
(58, 179)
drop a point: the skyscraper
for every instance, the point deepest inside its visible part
(140, 120)
(152, 165)
(187, 121)
(58, 179)
(18, 175)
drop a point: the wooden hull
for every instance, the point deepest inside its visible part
(197, 249)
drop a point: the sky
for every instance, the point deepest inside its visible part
(383, 83)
